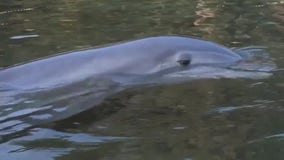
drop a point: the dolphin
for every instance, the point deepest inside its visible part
(123, 62)
(56, 87)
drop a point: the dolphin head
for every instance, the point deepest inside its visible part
(181, 58)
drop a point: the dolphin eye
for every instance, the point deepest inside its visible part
(183, 58)
(184, 62)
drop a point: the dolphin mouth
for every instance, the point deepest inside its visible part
(244, 68)
(255, 63)
(217, 73)
(254, 59)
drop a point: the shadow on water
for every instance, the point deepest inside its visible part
(202, 119)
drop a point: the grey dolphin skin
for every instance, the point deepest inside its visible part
(153, 57)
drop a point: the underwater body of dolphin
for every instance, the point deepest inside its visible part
(149, 56)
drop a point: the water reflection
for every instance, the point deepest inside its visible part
(204, 13)
(278, 15)
(53, 144)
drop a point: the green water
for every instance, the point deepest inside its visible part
(222, 119)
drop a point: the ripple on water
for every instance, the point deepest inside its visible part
(24, 36)
(27, 146)
(22, 112)
(227, 109)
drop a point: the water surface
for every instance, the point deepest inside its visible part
(202, 119)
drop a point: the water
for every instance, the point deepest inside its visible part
(202, 119)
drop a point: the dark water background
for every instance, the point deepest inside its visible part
(230, 119)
